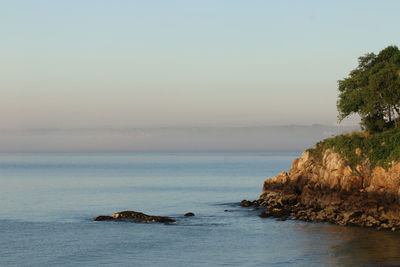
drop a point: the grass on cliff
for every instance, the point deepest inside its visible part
(381, 149)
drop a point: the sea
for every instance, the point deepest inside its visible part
(48, 201)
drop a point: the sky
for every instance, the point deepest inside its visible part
(145, 64)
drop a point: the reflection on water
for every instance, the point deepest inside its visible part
(352, 245)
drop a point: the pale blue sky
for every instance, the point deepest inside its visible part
(182, 63)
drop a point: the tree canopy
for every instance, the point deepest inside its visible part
(372, 90)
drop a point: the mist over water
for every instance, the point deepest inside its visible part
(223, 138)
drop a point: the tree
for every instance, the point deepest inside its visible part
(372, 90)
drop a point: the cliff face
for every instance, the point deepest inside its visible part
(330, 190)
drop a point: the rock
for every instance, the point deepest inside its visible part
(103, 218)
(321, 216)
(189, 214)
(371, 221)
(135, 217)
(284, 218)
(290, 199)
(277, 213)
(264, 215)
(245, 203)
(327, 189)
(385, 226)
(349, 215)
(257, 203)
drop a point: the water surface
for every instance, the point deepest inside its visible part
(48, 201)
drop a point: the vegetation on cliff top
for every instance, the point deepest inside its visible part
(372, 91)
(380, 149)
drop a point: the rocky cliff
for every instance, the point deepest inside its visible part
(327, 189)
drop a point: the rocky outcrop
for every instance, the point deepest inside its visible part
(329, 190)
(134, 217)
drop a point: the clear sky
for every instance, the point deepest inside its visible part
(182, 63)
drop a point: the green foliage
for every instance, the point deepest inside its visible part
(381, 149)
(372, 90)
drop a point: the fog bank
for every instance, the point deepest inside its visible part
(255, 138)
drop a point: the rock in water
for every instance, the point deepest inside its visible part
(134, 216)
(246, 203)
(189, 214)
(103, 218)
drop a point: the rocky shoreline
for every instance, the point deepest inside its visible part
(329, 190)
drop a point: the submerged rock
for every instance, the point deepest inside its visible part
(189, 214)
(133, 216)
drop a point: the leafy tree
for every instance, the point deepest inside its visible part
(373, 90)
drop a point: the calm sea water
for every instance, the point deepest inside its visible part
(47, 201)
